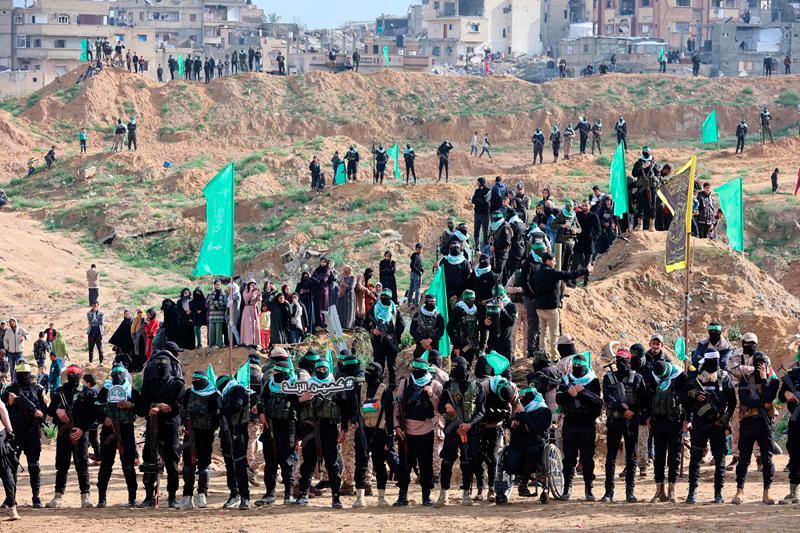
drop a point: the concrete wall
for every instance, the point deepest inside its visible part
(526, 27)
(20, 82)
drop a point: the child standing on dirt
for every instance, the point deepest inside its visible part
(774, 180)
(83, 136)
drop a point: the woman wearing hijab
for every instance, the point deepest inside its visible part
(139, 340)
(122, 339)
(251, 323)
(333, 285)
(151, 327)
(346, 306)
(319, 282)
(363, 286)
(304, 291)
(183, 317)
(387, 268)
(199, 315)
(280, 320)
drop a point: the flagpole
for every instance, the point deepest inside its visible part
(687, 275)
(230, 329)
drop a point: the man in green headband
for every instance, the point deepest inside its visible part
(234, 417)
(715, 341)
(529, 426)
(463, 327)
(501, 315)
(501, 239)
(117, 433)
(200, 419)
(427, 326)
(579, 399)
(447, 236)
(567, 228)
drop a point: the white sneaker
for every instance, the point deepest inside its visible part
(86, 501)
(57, 502)
(359, 499)
(382, 498)
(201, 501)
(187, 502)
(442, 501)
(465, 499)
(232, 503)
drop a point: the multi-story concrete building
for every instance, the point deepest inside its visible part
(739, 49)
(459, 29)
(6, 7)
(47, 36)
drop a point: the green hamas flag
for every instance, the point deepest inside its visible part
(731, 201)
(341, 175)
(498, 362)
(85, 50)
(661, 54)
(243, 375)
(680, 348)
(181, 70)
(386, 55)
(394, 153)
(709, 133)
(619, 182)
(216, 253)
(439, 290)
(212, 378)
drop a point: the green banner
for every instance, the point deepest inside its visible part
(386, 55)
(731, 201)
(85, 50)
(394, 153)
(181, 69)
(680, 348)
(439, 290)
(709, 132)
(341, 175)
(216, 253)
(619, 182)
(660, 55)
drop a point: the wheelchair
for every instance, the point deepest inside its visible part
(549, 475)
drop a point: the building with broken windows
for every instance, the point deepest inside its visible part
(739, 49)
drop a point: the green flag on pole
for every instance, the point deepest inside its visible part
(394, 153)
(439, 290)
(85, 50)
(619, 182)
(660, 55)
(386, 55)
(216, 253)
(680, 348)
(212, 378)
(341, 175)
(498, 362)
(181, 70)
(243, 375)
(731, 200)
(709, 133)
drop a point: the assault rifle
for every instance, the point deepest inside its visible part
(387, 334)
(30, 408)
(152, 468)
(361, 435)
(621, 396)
(401, 418)
(454, 425)
(790, 386)
(65, 427)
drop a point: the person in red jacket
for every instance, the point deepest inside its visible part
(150, 330)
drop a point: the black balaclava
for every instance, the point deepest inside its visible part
(308, 361)
(430, 302)
(638, 358)
(710, 365)
(419, 373)
(460, 371)
(117, 378)
(321, 372)
(435, 358)
(23, 378)
(482, 368)
(483, 261)
(579, 370)
(162, 368)
(566, 350)
(504, 392)
(351, 366)
(749, 348)
(199, 383)
(280, 374)
(623, 364)
(714, 333)
(374, 374)
(455, 249)
(386, 299)
(760, 358)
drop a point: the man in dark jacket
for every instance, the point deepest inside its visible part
(499, 194)
(132, 134)
(788, 393)
(579, 399)
(234, 415)
(741, 134)
(482, 281)
(529, 428)
(530, 267)
(480, 201)
(519, 234)
(626, 399)
(456, 271)
(715, 341)
(352, 158)
(501, 315)
(668, 422)
(584, 244)
(501, 240)
(463, 327)
(621, 127)
(710, 400)
(583, 131)
(547, 283)
(427, 326)
(443, 153)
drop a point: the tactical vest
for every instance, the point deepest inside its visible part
(747, 412)
(415, 403)
(240, 417)
(202, 417)
(278, 407)
(466, 400)
(667, 405)
(468, 329)
(371, 407)
(21, 419)
(325, 409)
(630, 396)
(426, 325)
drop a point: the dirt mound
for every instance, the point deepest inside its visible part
(631, 296)
(791, 281)
(15, 144)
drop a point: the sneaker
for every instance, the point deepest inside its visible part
(201, 501)
(244, 504)
(147, 503)
(232, 503)
(86, 501)
(302, 501)
(101, 503)
(36, 502)
(187, 502)
(268, 499)
(57, 501)
(12, 513)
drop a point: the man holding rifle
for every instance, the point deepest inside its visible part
(462, 404)
(116, 416)
(26, 408)
(790, 392)
(200, 418)
(73, 413)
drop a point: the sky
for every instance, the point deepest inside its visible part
(332, 13)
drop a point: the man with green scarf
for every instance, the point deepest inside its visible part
(529, 426)
(386, 325)
(501, 237)
(415, 406)
(277, 412)
(501, 315)
(530, 266)
(463, 327)
(566, 227)
(456, 271)
(579, 399)
(116, 413)
(668, 422)
(234, 415)
(519, 234)
(200, 419)
(427, 326)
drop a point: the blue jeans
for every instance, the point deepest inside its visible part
(295, 336)
(414, 289)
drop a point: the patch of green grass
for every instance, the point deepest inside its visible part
(197, 162)
(258, 168)
(788, 98)
(69, 94)
(379, 206)
(128, 107)
(434, 205)
(390, 92)
(266, 204)
(747, 91)
(29, 203)
(32, 100)
(82, 301)
(329, 234)
(364, 241)
(249, 250)
(11, 105)
(577, 173)
(603, 161)
(357, 204)
(401, 217)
